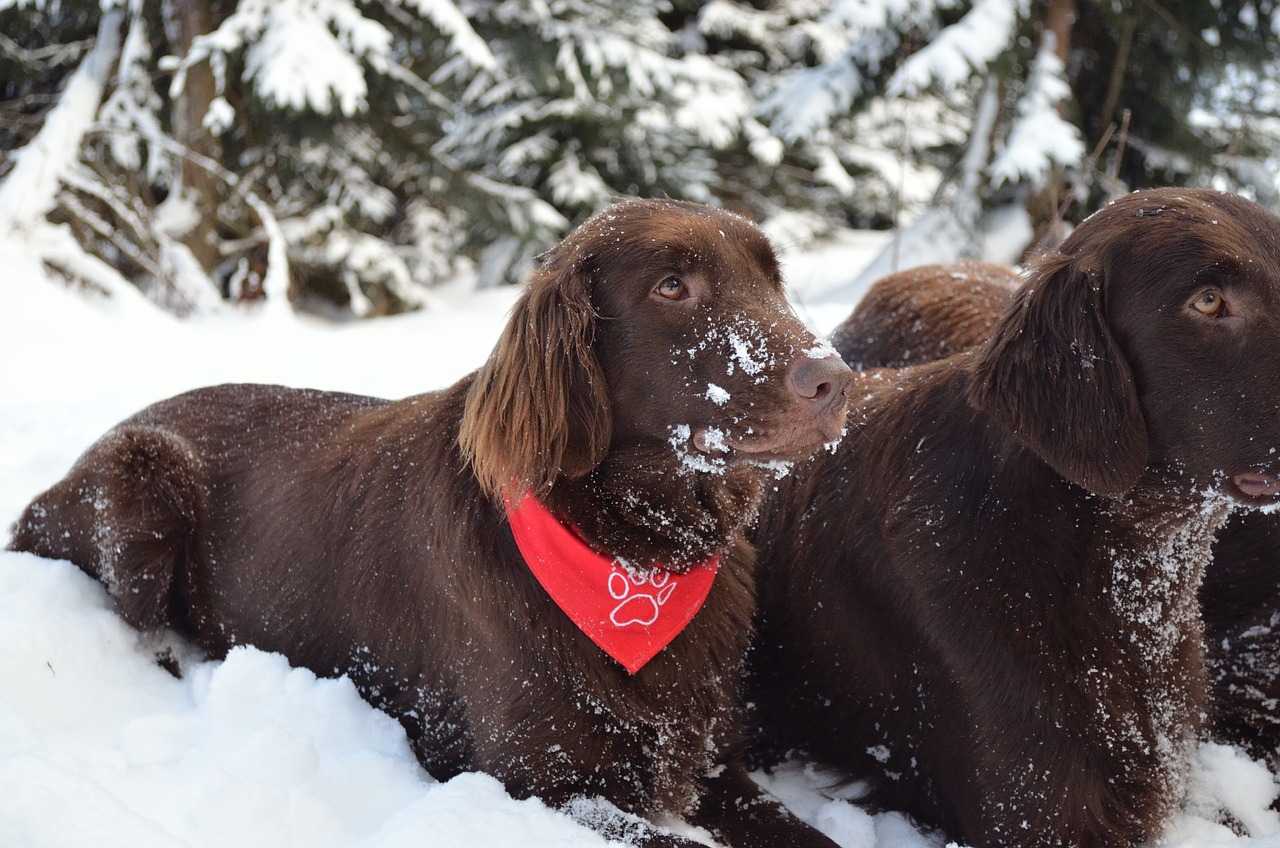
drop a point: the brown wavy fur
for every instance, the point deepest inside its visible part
(925, 313)
(539, 408)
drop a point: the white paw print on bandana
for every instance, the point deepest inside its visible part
(641, 596)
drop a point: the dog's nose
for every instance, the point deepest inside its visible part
(823, 382)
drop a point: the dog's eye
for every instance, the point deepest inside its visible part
(1208, 303)
(672, 288)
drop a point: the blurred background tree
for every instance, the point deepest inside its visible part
(346, 156)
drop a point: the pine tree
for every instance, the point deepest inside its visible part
(285, 151)
(589, 101)
(1001, 103)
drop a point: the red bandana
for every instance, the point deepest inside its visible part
(630, 616)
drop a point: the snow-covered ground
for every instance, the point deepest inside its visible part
(100, 747)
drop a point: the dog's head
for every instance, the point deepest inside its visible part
(1150, 338)
(655, 322)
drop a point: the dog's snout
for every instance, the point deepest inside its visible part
(821, 381)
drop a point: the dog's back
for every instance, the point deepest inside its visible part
(245, 475)
(925, 313)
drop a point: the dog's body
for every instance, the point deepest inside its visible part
(370, 537)
(985, 602)
(926, 314)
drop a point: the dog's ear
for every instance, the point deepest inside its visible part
(539, 408)
(1054, 376)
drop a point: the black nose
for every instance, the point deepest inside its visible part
(820, 382)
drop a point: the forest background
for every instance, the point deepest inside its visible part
(344, 157)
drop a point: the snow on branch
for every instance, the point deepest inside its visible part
(812, 99)
(133, 108)
(870, 32)
(297, 62)
(298, 54)
(275, 285)
(56, 247)
(531, 224)
(710, 100)
(1040, 139)
(51, 159)
(725, 20)
(463, 40)
(865, 15)
(601, 75)
(960, 50)
(575, 183)
(528, 214)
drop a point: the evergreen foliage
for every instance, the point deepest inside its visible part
(358, 152)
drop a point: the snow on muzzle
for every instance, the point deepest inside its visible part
(813, 414)
(774, 395)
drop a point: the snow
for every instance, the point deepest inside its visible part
(937, 235)
(725, 20)
(99, 746)
(133, 107)
(750, 357)
(717, 394)
(810, 99)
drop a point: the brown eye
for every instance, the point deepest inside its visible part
(1208, 303)
(672, 288)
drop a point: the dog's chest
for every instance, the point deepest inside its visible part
(1150, 690)
(1156, 567)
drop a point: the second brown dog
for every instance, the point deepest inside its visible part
(985, 603)
(933, 311)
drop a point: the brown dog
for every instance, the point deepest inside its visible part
(648, 385)
(930, 312)
(985, 602)
(925, 313)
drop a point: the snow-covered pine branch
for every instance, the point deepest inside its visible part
(1040, 139)
(298, 54)
(961, 50)
(435, 137)
(49, 161)
(133, 109)
(868, 33)
(463, 41)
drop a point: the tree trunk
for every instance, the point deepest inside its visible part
(1059, 19)
(185, 21)
(1047, 205)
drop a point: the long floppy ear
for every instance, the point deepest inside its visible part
(539, 407)
(1053, 376)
